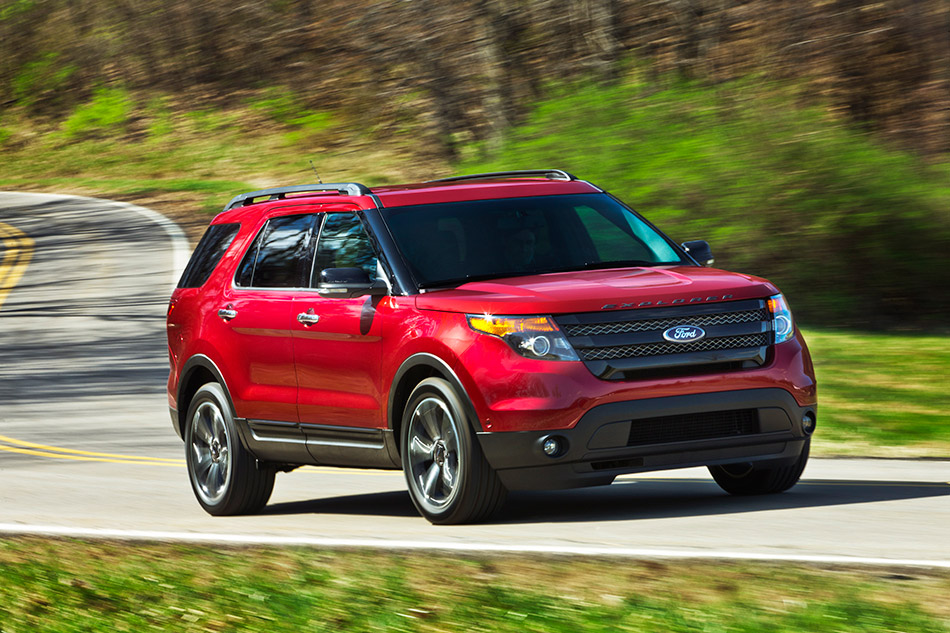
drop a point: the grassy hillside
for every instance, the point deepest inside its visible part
(158, 147)
(852, 231)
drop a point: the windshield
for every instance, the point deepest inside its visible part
(454, 242)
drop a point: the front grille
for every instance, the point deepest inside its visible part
(627, 344)
(707, 425)
(658, 349)
(705, 320)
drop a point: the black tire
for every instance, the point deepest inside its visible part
(225, 477)
(750, 479)
(449, 480)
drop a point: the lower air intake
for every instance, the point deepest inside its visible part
(694, 426)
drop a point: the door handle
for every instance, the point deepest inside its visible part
(227, 313)
(308, 318)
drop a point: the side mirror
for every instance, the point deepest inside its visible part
(349, 283)
(700, 251)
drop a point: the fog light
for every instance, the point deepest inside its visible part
(551, 447)
(808, 422)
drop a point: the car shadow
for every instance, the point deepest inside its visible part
(662, 499)
(389, 504)
(632, 499)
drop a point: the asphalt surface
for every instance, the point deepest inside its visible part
(87, 447)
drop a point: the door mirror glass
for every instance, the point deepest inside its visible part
(349, 283)
(700, 251)
(343, 276)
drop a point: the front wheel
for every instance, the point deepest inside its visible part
(747, 479)
(448, 477)
(225, 477)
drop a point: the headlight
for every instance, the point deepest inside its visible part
(781, 319)
(532, 337)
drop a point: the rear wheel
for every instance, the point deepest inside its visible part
(748, 479)
(225, 477)
(449, 479)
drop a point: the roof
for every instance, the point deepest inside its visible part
(436, 192)
(475, 187)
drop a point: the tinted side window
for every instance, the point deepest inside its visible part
(208, 253)
(344, 244)
(278, 256)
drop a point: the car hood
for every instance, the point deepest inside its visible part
(596, 290)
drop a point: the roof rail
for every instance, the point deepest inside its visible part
(279, 193)
(552, 174)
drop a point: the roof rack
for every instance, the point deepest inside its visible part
(552, 174)
(279, 193)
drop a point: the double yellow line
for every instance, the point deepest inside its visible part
(17, 253)
(11, 445)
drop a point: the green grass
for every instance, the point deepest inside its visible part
(881, 394)
(66, 586)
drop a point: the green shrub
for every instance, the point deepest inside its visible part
(160, 123)
(13, 8)
(277, 103)
(44, 80)
(212, 121)
(854, 232)
(282, 106)
(309, 126)
(108, 113)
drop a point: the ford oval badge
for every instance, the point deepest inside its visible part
(684, 334)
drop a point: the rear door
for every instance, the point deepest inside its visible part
(256, 314)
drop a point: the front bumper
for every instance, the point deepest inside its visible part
(606, 443)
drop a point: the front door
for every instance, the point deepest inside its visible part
(337, 342)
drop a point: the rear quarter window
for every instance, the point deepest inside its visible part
(208, 253)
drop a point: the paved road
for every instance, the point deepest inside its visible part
(86, 445)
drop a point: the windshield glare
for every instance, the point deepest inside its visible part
(448, 243)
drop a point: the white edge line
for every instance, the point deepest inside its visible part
(181, 250)
(11, 529)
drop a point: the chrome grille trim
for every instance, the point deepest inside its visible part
(662, 349)
(703, 320)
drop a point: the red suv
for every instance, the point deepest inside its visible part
(515, 330)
